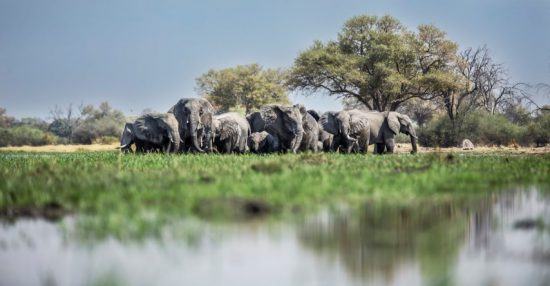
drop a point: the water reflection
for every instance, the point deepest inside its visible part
(497, 239)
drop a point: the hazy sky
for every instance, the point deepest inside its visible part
(139, 54)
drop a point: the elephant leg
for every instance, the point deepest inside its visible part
(380, 148)
(390, 145)
(227, 147)
(167, 147)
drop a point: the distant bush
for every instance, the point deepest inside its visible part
(480, 127)
(25, 135)
(539, 129)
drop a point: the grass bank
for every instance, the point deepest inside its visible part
(135, 193)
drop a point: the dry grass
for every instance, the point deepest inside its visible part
(62, 148)
(405, 148)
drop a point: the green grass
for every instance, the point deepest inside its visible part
(137, 193)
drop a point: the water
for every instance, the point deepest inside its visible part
(498, 239)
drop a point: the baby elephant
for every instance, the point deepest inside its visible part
(230, 133)
(151, 133)
(263, 142)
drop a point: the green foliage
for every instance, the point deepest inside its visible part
(480, 127)
(539, 129)
(96, 123)
(378, 62)
(5, 120)
(243, 87)
(25, 135)
(132, 194)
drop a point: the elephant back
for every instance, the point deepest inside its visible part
(149, 128)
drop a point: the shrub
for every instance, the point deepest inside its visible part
(25, 135)
(480, 127)
(538, 131)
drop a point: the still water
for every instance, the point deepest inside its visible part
(497, 239)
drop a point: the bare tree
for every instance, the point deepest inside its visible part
(65, 121)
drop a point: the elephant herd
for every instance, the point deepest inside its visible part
(192, 125)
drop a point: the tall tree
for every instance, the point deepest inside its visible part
(377, 62)
(245, 87)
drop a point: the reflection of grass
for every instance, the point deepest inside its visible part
(139, 193)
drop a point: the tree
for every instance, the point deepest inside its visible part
(377, 62)
(243, 86)
(65, 121)
(5, 120)
(421, 111)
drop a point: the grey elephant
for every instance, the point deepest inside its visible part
(263, 142)
(194, 116)
(350, 128)
(151, 133)
(231, 131)
(282, 122)
(311, 130)
(385, 126)
(315, 114)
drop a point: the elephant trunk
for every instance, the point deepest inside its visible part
(297, 140)
(413, 140)
(194, 135)
(175, 142)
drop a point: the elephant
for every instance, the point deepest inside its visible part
(282, 122)
(315, 114)
(311, 130)
(231, 131)
(384, 128)
(194, 116)
(150, 133)
(263, 142)
(350, 128)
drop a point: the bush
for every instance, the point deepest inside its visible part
(538, 131)
(25, 135)
(480, 127)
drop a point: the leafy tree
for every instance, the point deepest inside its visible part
(378, 62)
(243, 87)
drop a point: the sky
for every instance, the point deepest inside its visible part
(140, 54)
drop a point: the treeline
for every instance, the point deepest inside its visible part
(377, 63)
(81, 125)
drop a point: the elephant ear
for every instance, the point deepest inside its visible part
(393, 121)
(170, 126)
(358, 123)
(329, 122)
(147, 128)
(314, 114)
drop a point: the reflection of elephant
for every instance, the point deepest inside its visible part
(283, 122)
(311, 130)
(351, 129)
(231, 132)
(263, 142)
(194, 116)
(385, 126)
(151, 132)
